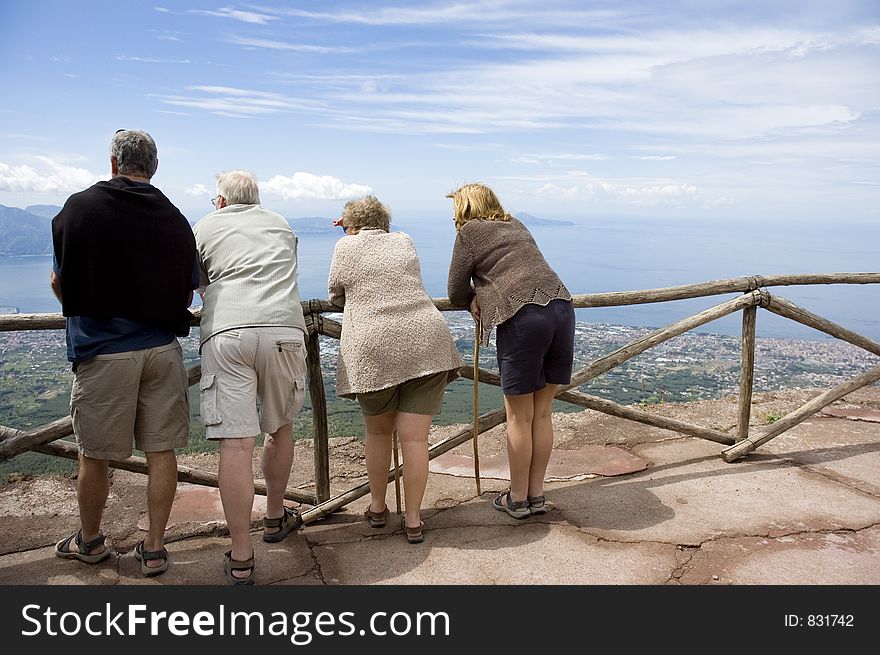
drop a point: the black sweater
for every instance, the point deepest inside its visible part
(125, 251)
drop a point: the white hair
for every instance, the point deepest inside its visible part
(238, 188)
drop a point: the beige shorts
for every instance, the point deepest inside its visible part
(253, 380)
(139, 394)
(417, 396)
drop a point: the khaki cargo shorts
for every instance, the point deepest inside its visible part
(253, 380)
(139, 394)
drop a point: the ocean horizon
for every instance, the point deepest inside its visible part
(605, 255)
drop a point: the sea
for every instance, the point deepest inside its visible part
(613, 254)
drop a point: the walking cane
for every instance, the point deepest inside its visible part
(394, 447)
(478, 337)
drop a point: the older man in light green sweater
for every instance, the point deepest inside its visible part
(253, 351)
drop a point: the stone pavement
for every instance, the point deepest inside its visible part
(630, 505)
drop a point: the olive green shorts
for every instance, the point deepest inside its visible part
(417, 396)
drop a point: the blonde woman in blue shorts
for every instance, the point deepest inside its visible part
(498, 272)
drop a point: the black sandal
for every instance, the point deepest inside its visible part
(83, 551)
(518, 509)
(230, 565)
(144, 556)
(286, 524)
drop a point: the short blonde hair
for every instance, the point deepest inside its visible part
(366, 213)
(476, 201)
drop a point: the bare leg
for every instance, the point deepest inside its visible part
(542, 438)
(237, 494)
(92, 489)
(276, 461)
(520, 413)
(377, 449)
(412, 429)
(161, 487)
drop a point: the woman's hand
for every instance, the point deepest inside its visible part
(475, 309)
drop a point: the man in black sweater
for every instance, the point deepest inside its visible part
(124, 273)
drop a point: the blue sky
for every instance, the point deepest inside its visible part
(716, 110)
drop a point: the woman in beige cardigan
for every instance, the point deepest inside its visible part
(498, 272)
(396, 354)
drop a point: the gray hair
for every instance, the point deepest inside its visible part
(366, 213)
(238, 187)
(135, 153)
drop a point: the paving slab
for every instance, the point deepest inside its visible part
(532, 553)
(846, 451)
(848, 558)
(41, 567)
(690, 495)
(565, 464)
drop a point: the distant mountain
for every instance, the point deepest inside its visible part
(312, 225)
(24, 233)
(46, 211)
(528, 219)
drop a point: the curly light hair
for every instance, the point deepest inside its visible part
(366, 213)
(476, 201)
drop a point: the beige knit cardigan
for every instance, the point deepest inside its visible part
(391, 330)
(500, 263)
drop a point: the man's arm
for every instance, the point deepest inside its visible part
(55, 282)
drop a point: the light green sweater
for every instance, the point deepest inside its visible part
(247, 256)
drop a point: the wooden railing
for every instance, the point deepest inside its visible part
(44, 439)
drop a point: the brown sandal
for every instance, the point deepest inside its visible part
(414, 535)
(230, 565)
(376, 519)
(286, 523)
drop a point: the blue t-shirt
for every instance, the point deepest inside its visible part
(87, 337)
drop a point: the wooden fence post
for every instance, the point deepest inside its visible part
(320, 431)
(747, 372)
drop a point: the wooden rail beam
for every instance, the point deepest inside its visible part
(703, 289)
(622, 411)
(68, 450)
(606, 363)
(801, 414)
(14, 442)
(788, 309)
(486, 422)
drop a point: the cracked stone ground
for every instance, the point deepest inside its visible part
(630, 504)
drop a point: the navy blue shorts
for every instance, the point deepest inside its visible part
(536, 347)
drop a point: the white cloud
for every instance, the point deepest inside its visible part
(238, 103)
(243, 16)
(729, 84)
(152, 60)
(196, 190)
(654, 157)
(303, 185)
(283, 45)
(475, 12)
(562, 156)
(53, 178)
(579, 185)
